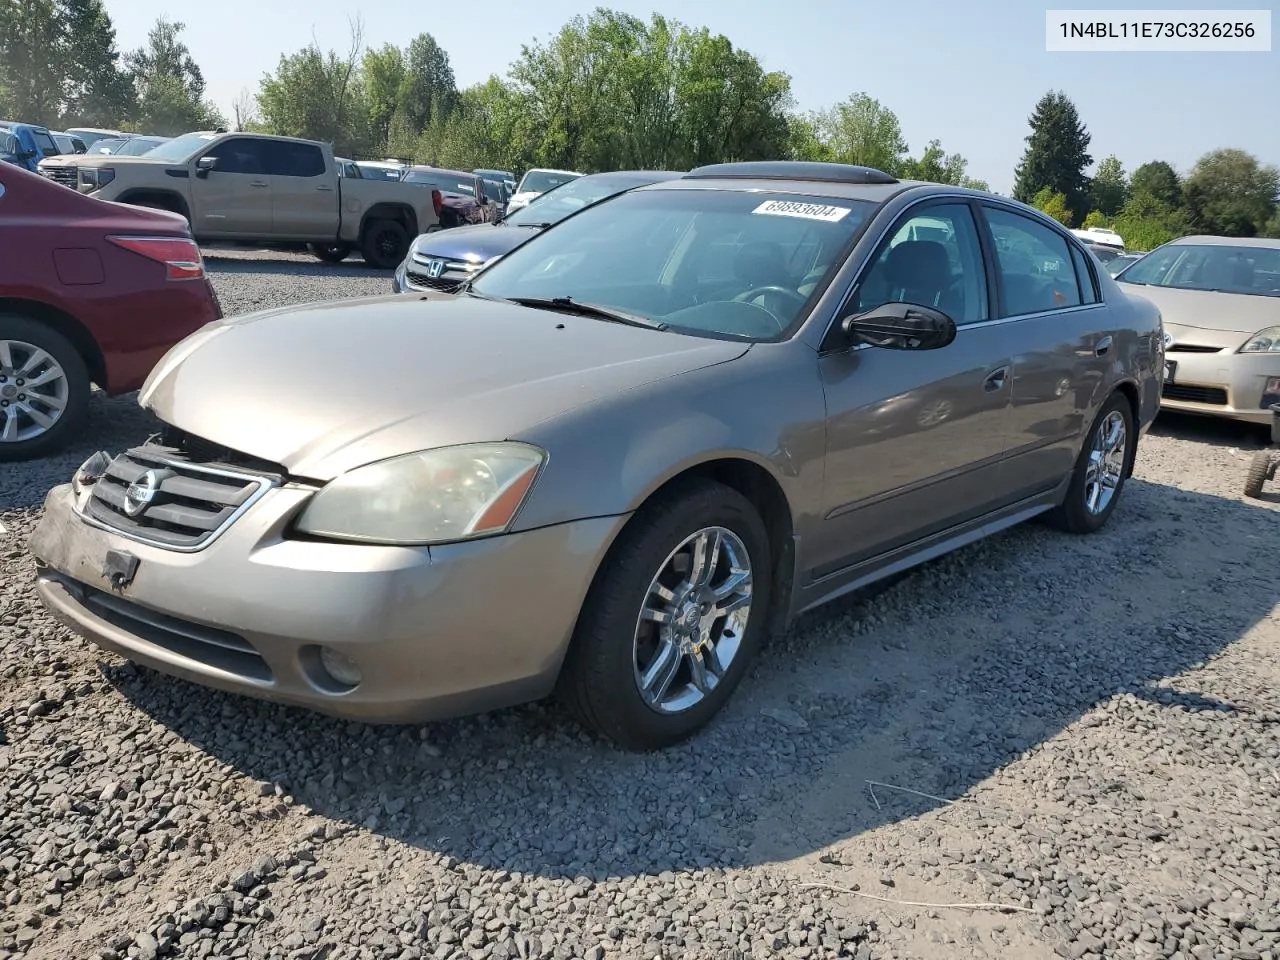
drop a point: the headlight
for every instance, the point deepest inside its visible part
(96, 177)
(1264, 341)
(450, 493)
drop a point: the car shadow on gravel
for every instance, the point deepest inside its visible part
(933, 685)
(215, 265)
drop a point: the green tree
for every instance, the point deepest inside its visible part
(319, 95)
(169, 84)
(936, 166)
(1054, 204)
(32, 62)
(1159, 181)
(803, 140)
(1057, 154)
(428, 84)
(1229, 193)
(1110, 187)
(1146, 222)
(862, 131)
(383, 74)
(1096, 218)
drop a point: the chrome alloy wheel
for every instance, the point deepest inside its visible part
(693, 620)
(1106, 463)
(34, 391)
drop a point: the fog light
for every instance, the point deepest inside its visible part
(340, 667)
(90, 472)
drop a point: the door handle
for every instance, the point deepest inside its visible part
(1101, 347)
(325, 188)
(995, 380)
(257, 183)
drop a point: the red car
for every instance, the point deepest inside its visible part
(90, 292)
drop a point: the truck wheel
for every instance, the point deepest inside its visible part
(44, 389)
(331, 252)
(385, 244)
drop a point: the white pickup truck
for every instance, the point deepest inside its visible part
(253, 188)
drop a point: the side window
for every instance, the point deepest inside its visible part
(1088, 285)
(933, 259)
(287, 159)
(1036, 269)
(239, 155)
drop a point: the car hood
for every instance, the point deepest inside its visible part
(479, 243)
(1222, 313)
(324, 388)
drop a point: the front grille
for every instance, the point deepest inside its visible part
(443, 284)
(164, 496)
(1189, 394)
(1191, 348)
(210, 645)
(67, 176)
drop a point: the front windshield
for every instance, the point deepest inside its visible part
(556, 204)
(180, 148)
(540, 181)
(1223, 268)
(721, 263)
(139, 147)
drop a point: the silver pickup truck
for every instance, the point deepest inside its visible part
(253, 188)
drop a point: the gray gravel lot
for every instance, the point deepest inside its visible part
(1090, 726)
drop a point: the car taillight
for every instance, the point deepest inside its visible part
(437, 201)
(180, 257)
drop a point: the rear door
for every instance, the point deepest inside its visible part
(234, 199)
(1059, 340)
(915, 438)
(304, 196)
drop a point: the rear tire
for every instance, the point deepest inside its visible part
(1259, 473)
(55, 389)
(1101, 470)
(331, 252)
(385, 244)
(614, 646)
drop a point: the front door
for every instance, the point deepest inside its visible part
(304, 194)
(914, 437)
(234, 199)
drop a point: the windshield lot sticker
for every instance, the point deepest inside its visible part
(808, 211)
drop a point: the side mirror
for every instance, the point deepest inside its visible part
(204, 165)
(901, 326)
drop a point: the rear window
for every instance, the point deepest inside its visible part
(540, 181)
(445, 183)
(288, 159)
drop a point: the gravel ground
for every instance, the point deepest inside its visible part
(1085, 729)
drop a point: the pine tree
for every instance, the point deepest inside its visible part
(1056, 154)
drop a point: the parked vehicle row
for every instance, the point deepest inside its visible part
(674, 420)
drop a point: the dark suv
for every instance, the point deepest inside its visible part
(442, 261)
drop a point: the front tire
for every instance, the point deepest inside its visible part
(385, 244)
(1101, 470)
(677, 611)
(44, 389)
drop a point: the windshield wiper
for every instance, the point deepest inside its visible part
(540, 226)
(569, 305)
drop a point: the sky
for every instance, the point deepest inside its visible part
(966, 74)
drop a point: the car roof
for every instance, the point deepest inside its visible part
(552, 170)
(1265, 243)
(653, 176)
(422, 168)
